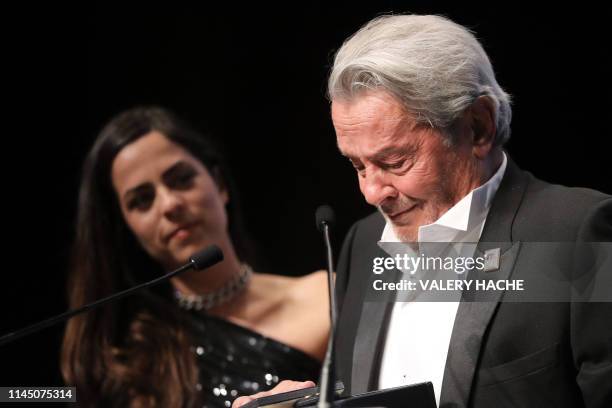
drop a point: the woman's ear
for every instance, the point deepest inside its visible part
(224, 195)
(482, 122)
(221, 185)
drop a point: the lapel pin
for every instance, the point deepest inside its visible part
(491, 258)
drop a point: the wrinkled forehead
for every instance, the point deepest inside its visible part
(370, 122)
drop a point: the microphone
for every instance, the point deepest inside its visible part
(203, 259)
(325, 216)
(200, 260)
(325, 219)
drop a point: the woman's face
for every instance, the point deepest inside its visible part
(168, 199)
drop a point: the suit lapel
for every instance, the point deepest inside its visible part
(364, 318)
(369, 342)
(477, 308)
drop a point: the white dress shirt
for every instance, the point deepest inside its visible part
(419, 333)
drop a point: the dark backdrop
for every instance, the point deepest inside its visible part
(255, 78)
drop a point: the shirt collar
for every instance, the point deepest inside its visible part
(468, 213)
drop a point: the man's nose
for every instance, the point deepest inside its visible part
(376, 187)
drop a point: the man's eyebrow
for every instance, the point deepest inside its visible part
(381, 155)
(406, 150)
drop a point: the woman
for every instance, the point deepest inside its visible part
(154, 192)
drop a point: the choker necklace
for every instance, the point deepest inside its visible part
(209, 300)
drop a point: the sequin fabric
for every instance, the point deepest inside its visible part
(235, 361)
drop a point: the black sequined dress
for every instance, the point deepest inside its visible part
(235, 361)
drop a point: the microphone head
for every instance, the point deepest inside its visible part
(206, 257)
(324, 216)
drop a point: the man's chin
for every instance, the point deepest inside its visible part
(406, 233)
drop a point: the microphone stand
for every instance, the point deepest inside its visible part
(201, 260)
(327, 391)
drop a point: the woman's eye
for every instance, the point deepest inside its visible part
(183, 180)
(140, 202)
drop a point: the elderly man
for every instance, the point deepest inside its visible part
(418, 112)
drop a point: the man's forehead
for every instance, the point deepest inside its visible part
(368, 107)
(376, 151)
(372, 125)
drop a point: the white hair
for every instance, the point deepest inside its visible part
(435, 67)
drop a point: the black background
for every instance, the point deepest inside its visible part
(255, 77)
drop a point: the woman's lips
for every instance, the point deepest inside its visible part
(182, 232)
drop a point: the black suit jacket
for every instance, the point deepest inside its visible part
(501, 354)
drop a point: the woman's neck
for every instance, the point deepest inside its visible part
(213, 278)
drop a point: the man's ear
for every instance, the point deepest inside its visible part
(482, 123)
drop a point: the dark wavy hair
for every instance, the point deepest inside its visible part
(135, 352)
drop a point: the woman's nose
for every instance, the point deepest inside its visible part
(172, 203)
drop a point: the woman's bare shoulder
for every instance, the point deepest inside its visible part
(313, 280)
(295, 287)
(310, 287)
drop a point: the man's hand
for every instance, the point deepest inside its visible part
(283, 386)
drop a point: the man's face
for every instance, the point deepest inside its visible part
(405, 169)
